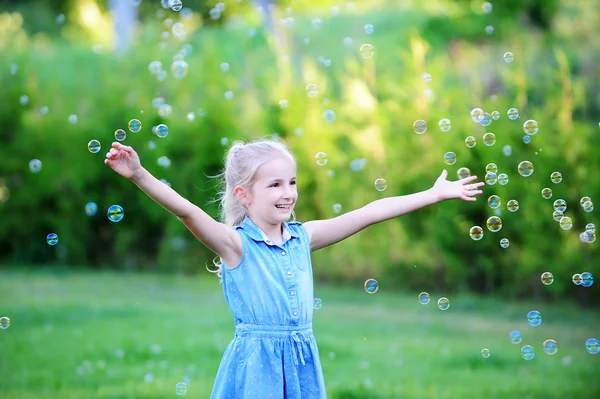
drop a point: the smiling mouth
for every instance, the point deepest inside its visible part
(284, 207)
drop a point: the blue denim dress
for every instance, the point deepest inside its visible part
(270, 293)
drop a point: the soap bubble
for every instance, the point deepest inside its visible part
(317, 303)
(4, 322)
(592, 346)
(380, 184)
(527, 352)
(489, 139)
(530, 127)
(513, 114)
(450, 158)
(550, 347)
(52, 239)
(503, 179)
(546, 193)
(134, 125)
(94, 146)
(120, 134)
(371, 286)
(369, 29)
(476, 233)
(525, 168)
(509, 57)
(443, 303)
(556, 177)
(445, 125)
(35, 166)
(494, 201)
(534, 318)
(470, 141)
(494, 224)
(162, 131)
(512, 205)
(115, 213)
(515, 337)
(424, 298)
(547, 278)
(91, 208)
(366, 50)
(463, 173)
(504, 243)
(181, 388)
(312, 90)
(485, 353)
(420, 126)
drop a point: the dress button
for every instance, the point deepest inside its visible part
(289, 273)
(268, 241)
(295, 313)
(283, 253)
(292, 293)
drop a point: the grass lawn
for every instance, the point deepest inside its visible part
(109, 335)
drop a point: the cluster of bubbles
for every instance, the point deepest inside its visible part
(585, 279)
(443, 303)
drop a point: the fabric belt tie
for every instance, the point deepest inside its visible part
(297, 336)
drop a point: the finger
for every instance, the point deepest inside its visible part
(444, 174)
(470, 199)
(468, 179)
(474, 192)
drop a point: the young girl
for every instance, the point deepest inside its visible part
(265, 261)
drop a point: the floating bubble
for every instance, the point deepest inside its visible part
(509, 57)
(489, 139)
(24, 99)
(526, 139)
(312, 90)
(164, 162)
(525, 168)
(550, 347)
(485, 353)
(547, 278)
(317, 303)
(494, 201)
(476, 114)
(162, 131)
(504, 243)
(530, 127)
(316, 23)
(191, 116)
(224, 67)
(557, 215)
(470, 141)
(52, 239)
(35, 166)
(556, 177)
(179, 69)
(424, 298)
(427, 77)
(491, 168)
(321, 158)
(283, 104)
(115, 213)
(565, 223)
(134, 125)
(94, 146)
(527, 352)
(584, 199)
(91, 208)
(450, 158)
(515, 337)
(366, 50)
(590, 227)
(513, 114)
(72, 119)
(512, 205)
(489, 29)
(178, 29)
(463, 173)
(560, 205)
(495, 115)
(380, 184)
(507, 150)
(329, 116)
(592, 346)
(576, 279)
(546, 193)
(588, 206)
(503, 179)
(491, 178)
(120, 134)
(337, 208)
(587, 280)
(371, 286)
(587, 236)
(420, 126)
(181, 388)
(476, 233)
(4, 322)
(445, 125)
(369, 29)
(487, 7)
(176, 5)
(443, 303)
(534, 318)
(486, 119)
(494, 224)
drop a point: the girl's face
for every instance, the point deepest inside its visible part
(273, 195)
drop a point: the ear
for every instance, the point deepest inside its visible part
(242, 195)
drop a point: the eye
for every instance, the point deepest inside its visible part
(274, 185)
(293, 182)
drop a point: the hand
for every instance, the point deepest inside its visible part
(123, 160)
(445, 189)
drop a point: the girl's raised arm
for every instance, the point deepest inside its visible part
(217, 236)
(326, 232)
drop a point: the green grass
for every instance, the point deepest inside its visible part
(96, 335)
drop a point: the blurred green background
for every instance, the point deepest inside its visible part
(73, 71)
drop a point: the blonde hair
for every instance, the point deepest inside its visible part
(242, 163)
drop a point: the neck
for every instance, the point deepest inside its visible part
(273, 231)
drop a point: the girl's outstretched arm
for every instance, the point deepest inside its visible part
(218, 237)
(326, 232)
